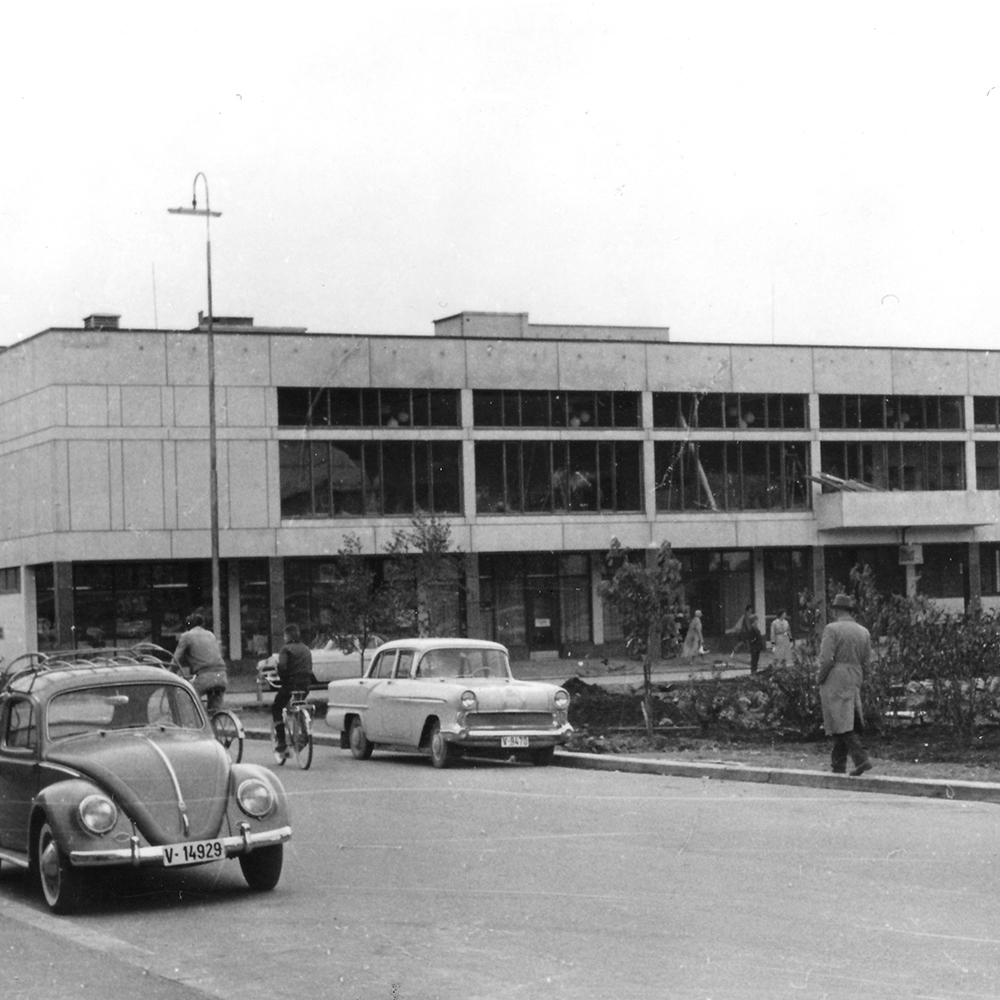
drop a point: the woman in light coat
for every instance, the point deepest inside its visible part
(781, 639)
(694, 639)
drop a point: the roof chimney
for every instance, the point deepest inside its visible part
(101, 321)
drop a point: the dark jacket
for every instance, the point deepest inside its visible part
(295, 666)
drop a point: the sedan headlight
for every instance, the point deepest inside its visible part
(255, 797)
(561, 700)
(98, 813)
(468, 701)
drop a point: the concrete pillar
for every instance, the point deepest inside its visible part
(473, 616)
(819, 580)
(596, 601)
(276, 578)
(65, 614)
(233, 616)
(974, 579)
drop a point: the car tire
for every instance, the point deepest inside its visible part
(262, 867)
(443, 753)
(542, 757)
(361, 748)
(62, 885)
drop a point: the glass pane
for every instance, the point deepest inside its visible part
(537, 472)
(293, 407)
(345, 408)
(626, 407)
(535, 409)
(445, 409)
(487, 408)
(296, 492)
(398, 486)
(447, 477)
(489, 477)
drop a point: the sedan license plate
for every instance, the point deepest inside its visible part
(196, 853)
(513, 741)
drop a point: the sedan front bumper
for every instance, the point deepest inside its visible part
(136, 854)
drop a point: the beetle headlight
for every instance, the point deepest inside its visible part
(561, 700)
(98, 813)
(255, 797)
(469, 701)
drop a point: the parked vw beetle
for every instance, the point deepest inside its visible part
(109, 761)
(447, 697)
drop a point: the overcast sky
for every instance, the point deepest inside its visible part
(796, 173)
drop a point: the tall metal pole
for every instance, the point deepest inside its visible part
(213, 466)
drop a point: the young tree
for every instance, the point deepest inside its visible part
(363, 605)
(425, 568)
(649, 596)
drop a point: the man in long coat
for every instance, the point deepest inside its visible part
(844, 654)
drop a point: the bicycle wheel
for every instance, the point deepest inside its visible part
(229, 732)
(300, 737)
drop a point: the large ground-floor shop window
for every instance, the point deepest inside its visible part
(314, 598)
(787, 574)
(123, 603)
(537, 600)
(719, 584)
(889, 577)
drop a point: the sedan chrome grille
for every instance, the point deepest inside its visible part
(509, 720)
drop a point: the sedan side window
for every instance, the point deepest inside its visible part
(405, 662)
(382, 667)
(20, 727)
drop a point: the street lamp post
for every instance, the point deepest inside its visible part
(213, 468)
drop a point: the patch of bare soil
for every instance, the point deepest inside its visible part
(612, 723)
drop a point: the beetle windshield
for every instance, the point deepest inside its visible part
(121, 706)
(461, 662)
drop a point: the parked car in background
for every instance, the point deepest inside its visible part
(108, 760)
(446, 697)
(330, 663)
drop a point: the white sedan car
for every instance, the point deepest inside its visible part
(448, 697)
(330, 663)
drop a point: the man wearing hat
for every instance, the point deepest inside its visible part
(844, 654)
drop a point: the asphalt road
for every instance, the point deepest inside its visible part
(494, 881)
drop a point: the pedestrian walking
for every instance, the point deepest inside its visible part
(694, 640)
(754, 641)
(844, 655)
(739, 629)
(781, 639)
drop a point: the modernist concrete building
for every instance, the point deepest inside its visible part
(538, 444)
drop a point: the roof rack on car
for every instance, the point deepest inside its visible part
(147, 653)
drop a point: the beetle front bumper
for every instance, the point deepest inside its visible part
(136, 854)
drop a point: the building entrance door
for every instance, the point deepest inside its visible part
(542, 605)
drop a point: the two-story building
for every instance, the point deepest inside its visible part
(770, 469)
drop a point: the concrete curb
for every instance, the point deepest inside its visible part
(965, 791)
(962, 791)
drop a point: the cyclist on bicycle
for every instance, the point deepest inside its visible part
(294, 674)
(198, 650)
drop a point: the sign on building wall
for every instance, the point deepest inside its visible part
(911, 555)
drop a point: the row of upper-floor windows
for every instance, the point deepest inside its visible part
(420, 408)
(321, 478)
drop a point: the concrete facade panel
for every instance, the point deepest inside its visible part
(852, 369)
(89, 486)
(322, 541)
(426, 363)
(588, 536)
(242, 359)
(504, 364)
(772, 369)
(191, 406)
(142, 406)
(314, 360)
(142, 466)
(244, 408)
(89, 357)
(689, 368)
(526, 536)
(87, 406)
(247, 487)
(984, 373)
(932, 373)
(193, 492)
(602, 366)
(187, 359)
(246, 544)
